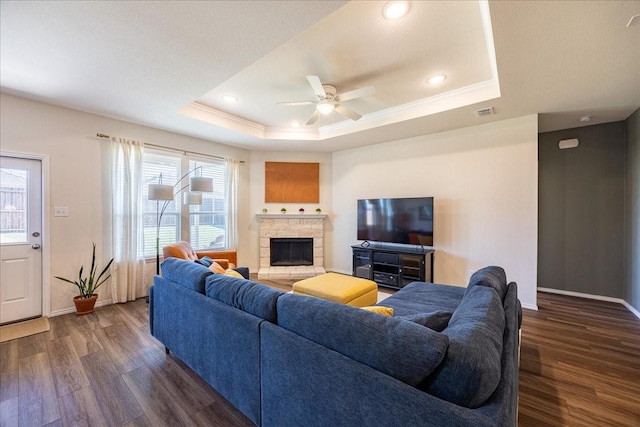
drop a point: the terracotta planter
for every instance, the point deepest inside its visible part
(85, 305)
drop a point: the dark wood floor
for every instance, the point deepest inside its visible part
(580, 365)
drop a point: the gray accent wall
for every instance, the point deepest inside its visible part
(581, 210)
(632, 212)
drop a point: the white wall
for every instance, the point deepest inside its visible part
(258, 159)
(485, 183)
(78, 167)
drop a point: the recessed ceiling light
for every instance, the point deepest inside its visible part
(395, 9)
(295, 124)
(436, 79)
(229, 98)
(585, 119)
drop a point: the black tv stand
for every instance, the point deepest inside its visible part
(393, 266)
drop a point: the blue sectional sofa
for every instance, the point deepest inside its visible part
(447, 357)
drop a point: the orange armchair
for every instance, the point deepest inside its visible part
(226, 259)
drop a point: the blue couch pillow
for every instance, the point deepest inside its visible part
(471, 370)
(401, 349)
(186, 273)
(246, 295)
(436, 320)
(492, 277)
(205, 260)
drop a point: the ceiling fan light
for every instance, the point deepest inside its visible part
(395, 9)
(325, 107)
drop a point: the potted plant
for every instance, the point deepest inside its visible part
(283, 210)
(264, 210)
(318, 210)
(88, 285)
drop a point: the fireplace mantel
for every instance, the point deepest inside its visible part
(291, 215)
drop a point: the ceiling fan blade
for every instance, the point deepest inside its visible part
(347, 112)
(296, 103)
(313, 118)
(356, 93)
(316, 85)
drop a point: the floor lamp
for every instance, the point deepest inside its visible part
(166, 193)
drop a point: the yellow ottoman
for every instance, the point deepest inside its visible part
(339, 288)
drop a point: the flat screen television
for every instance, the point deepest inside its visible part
(402, 220)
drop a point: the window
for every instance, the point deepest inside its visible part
(208, 222)
(204, 226)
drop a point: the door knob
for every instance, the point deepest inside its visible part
(35, 246)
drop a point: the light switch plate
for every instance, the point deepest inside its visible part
(61, 211)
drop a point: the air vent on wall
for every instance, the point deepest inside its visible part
(484, 112)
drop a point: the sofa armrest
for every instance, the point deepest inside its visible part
(230, 256)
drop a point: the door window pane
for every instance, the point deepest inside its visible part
(13, 206)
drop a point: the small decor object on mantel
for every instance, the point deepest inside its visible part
(87, 286)
(318, 210)
(301, 210)
(283, 210)
(264, 210)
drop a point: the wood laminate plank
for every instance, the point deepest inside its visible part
(189, 395)
(116, 402)
(81, 408)
(81, 331)
(220, 414)
(68, 373)
(31, 345)
(9, 375)
(158, 404)
(116, 354)
(38, 403)
(9, 412)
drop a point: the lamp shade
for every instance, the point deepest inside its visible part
(160, 192)
(325, 107)
(202, 184)
(192, 198)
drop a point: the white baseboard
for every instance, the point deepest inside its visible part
(529, 306)
(594, 297)
(73, 309)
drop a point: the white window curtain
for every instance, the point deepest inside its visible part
(128, 271)
(233, 174)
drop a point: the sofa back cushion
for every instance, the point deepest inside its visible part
(491, 277)
(404, 350)
(246, 295)
(184, 272)
(471, 369)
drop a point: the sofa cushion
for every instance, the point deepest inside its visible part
(246, 295)
(186, 273)
(421, 297)
(471, 371)
(401, 349)
(436, 320)
(491, 277)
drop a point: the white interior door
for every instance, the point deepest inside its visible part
(20, 238)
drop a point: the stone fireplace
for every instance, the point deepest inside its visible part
(298, 242)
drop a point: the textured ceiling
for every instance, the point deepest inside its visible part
(145, 62)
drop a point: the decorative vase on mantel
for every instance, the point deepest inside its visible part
(85, 305)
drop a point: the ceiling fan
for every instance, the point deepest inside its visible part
(328, 100)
